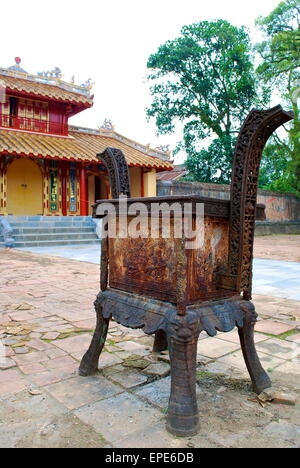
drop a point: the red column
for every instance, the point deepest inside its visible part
(83, 192)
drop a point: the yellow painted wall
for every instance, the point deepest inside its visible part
(150, 183)
(24, 188)
(135, 181)
(2, 186)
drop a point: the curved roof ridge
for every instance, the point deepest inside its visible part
(103, 132)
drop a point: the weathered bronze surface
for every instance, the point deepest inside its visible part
(160, 286)
(149, 267)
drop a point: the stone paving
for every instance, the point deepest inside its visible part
(271, 275)
(278, 247)
(46, 324)
(83, 253)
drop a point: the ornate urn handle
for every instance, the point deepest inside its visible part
(118, 173)
(257, 128)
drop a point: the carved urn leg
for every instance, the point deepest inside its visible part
(89, 362)
(183, 419)
(160, 342)
(259, 377)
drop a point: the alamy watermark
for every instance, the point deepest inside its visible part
(153, 221)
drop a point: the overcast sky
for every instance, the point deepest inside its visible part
(110, 42)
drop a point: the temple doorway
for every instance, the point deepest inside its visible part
(24, 188)
(97, 190)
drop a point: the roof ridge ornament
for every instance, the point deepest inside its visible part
(107, 128)
(56, 73)
(107, 124)
(16, 67)
(88, 84)
(164, 148)
(51, 77)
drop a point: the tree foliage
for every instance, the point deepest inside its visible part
(274, 174)
(205, 81)
(280, 50)
(280, 68)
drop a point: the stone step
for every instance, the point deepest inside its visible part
(54, 236)
(48, 219)
(51, 230)
(36, 225)
(38, 231)
(48, 243)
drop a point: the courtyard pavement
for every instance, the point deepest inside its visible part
(46, 325)
(270, 277)
(83, 253)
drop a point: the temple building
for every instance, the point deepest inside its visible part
(50, 168)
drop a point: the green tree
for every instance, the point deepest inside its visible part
(273, 174)
(205, 81)
(280, 68)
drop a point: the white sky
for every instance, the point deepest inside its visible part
(110, 42)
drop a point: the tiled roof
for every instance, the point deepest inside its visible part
(175, 174)
(44, 90)
(78, 146)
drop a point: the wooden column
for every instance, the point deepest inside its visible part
(142, 183)
(83, 192)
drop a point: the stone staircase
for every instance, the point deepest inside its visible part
(39, 231)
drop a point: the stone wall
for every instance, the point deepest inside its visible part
(281, 208)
